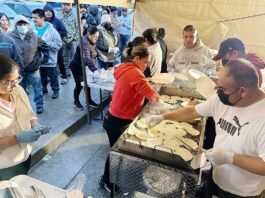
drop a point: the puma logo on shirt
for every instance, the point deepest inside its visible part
(238, 124)
(229, 127)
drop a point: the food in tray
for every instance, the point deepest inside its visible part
(132, 141)
(152, 132)
(172, 143)
(165, 98)
(185, 99)
(168, 136)
(193, 132)
(141, 135)
(188, 128)
(141, 123)
(152, 142)
(185, 125)
(185, 154)
(191, 143)
(178, 149)
(176, 132)
(175, 99)
(132, 129)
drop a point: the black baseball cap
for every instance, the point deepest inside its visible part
(229, 45)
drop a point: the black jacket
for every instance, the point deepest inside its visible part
(57, 23)
(34, 51)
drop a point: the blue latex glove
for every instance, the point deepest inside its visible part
(43, 129)
(28, 136)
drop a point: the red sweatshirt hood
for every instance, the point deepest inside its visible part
(255, 60)
(118, 71)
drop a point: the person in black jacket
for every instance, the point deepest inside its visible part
(163, 45)
(93, 17)
(90, 54)
(34, 52)
(60, 27)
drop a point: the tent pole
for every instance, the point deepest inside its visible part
(82, 60)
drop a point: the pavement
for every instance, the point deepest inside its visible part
(60, 157)
(81, 156)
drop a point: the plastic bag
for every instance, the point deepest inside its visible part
(89, 75)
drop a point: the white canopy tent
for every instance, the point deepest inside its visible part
(216, 20)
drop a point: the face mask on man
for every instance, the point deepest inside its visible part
(224, 98)
(22, 29)
(107, 26)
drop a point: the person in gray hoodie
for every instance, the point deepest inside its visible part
(34, 52)
(60, 27)
(49, 34)
(193, 54)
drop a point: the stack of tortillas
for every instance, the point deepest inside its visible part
(163, 78)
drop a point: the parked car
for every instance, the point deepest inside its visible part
(24, 7)
(32, 5)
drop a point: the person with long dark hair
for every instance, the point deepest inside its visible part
(154, 64)
(18, 124)
(90, 55)
(130, 90)
(4, 23)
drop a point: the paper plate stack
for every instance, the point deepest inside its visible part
(204, 85)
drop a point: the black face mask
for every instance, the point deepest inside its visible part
(224, 98)
(107, 26)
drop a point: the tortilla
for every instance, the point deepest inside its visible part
(185, 125)
(183, 153)
(152, 142)
(191, 143)
(163, 78)
(185, 99)
(179, 132)
(165, 98)
(193, 131)
(141, 123)
(172, 143)
(132, 129)
(141, 135)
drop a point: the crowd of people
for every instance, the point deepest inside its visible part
(50, 43)
(53, 39)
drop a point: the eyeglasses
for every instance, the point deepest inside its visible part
(11, 83)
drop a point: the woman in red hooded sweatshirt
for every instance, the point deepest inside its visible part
(130, 90)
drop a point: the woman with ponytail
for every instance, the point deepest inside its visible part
(155, 61)
(130, 90)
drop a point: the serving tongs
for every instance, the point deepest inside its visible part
(185, 144)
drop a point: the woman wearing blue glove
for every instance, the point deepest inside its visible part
(18, 124)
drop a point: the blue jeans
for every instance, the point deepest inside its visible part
(47, 73)
(124, 39)
(33, 78)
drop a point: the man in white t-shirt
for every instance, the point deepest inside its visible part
(238, 155)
